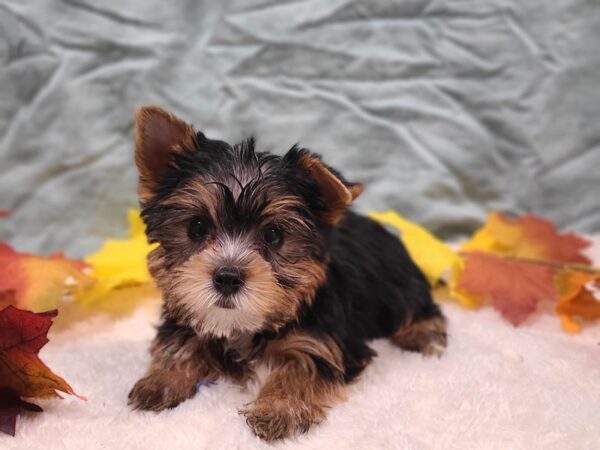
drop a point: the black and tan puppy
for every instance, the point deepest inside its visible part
(261, 264)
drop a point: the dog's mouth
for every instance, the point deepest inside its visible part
(225, 302)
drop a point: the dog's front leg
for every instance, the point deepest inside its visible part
(307, 377)
(180, 360)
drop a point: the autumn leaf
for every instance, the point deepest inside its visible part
(119, 302)
(8, 297)
(22, 335)
(39, 283)
(433, 256)
(113, 281)
(465, 298)
(120, 263)
(11, 406)
(578, 297)
(513, 286)
(528, 242)
(529, 237)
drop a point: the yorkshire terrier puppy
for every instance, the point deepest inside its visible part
(262, 266)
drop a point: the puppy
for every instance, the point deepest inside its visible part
(261, 264)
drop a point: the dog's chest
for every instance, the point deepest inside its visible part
(241, 348)
(244, 360)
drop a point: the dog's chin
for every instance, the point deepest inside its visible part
(225, 320)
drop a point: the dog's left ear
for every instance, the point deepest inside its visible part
(159, 137)
(337, 193)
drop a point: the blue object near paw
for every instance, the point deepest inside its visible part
(204, 383)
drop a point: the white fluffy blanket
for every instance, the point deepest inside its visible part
(497, 387)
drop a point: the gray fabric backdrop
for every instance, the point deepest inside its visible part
(445, 109)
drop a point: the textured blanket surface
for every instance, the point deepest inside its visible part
(497, 387)
(464, 105)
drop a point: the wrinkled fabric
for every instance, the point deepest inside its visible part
(444, 109)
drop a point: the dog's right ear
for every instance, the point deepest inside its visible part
(159, 136)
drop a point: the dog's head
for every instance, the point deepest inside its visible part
(243, 235)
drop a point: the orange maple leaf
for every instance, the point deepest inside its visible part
(578, 296)
(22, 335)
(38, 283)
(514, 287)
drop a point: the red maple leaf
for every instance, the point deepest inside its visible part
(514, 287)
(22, 335)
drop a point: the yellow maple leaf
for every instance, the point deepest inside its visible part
(433, 256)
(120, 263)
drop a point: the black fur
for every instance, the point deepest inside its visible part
(371, 286)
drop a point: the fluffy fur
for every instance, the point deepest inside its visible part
(314, 281)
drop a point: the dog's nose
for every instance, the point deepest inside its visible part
(228, 280)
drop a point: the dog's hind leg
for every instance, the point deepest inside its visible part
(424, 333)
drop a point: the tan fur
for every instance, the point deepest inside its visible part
(194, 193)
(337, 195)
(282, 205)
(300, 346)
(425, 336)
(191, 287)
(172, 377)
(295, 395)
(356, 189)
(263, 301)
(189, 293)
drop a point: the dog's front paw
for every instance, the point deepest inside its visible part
(272, 419)
(155, 393)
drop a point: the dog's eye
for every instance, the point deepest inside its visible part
(198, 228)
(272, 236)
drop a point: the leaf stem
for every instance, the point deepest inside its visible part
(543, 262)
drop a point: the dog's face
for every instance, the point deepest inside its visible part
(242, 235)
